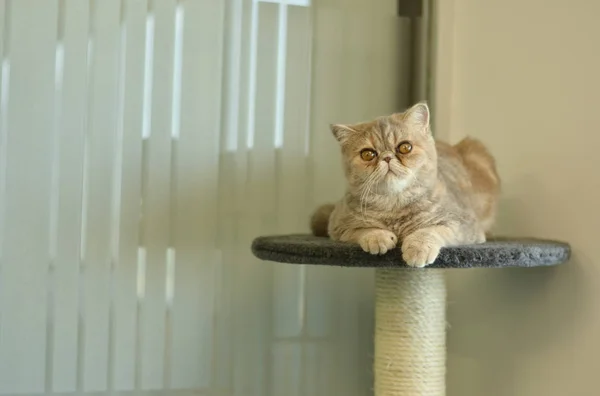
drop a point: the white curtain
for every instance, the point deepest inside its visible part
(143, 145)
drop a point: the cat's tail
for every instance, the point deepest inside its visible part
(319, 221)
(481, 166)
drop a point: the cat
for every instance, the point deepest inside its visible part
(405, 188)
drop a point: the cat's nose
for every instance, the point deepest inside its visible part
(387, 158)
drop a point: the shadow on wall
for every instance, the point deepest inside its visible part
(497, 317)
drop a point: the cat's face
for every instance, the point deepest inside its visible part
(390, 154)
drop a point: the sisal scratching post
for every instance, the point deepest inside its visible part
(410, 333)
(410, 304)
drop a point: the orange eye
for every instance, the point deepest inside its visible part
(368, 154)
(404, 148)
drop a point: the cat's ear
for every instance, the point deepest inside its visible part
(418, 116)
(341, 132)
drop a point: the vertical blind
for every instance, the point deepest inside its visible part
(143, 145)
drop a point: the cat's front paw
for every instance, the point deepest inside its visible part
(420, 249)
(378, 241)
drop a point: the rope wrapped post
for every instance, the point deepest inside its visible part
(410, 337)
(410, 312)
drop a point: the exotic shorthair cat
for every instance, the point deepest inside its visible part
(403, 186)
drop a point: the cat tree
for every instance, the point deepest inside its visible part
(410, 307)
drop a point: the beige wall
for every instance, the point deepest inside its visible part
(524, 76)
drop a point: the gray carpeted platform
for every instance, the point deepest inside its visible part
(497, 253)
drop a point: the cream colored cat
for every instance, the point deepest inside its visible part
(403, 186)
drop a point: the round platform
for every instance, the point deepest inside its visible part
(497, 253)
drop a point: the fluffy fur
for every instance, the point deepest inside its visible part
(436, 195)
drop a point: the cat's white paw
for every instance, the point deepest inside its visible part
(420, 249)
(378, 241)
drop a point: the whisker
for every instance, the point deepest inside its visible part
(364, 194)
(365, 191)
(368, 185)
(414, 177)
